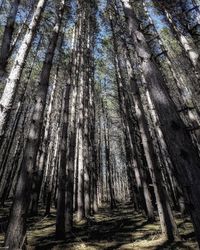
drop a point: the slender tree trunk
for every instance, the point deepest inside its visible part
(182, 151)
(107, 157)
(12, 80)
(61, 204)
(52, 175)
(16, 233)
(7, 36)
(81, 210)
(37, 180)
(71, 163)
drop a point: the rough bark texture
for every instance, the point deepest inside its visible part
(182, 151)
(7, 36)
(13, 78)
(16, 232)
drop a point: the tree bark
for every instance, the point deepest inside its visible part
(12, 80)
(16, 233)
(7, 36)
(182, 151)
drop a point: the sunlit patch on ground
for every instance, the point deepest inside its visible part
(120, 229)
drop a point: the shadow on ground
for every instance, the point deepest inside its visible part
(121, 228)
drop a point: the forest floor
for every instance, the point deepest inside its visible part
(121, 228)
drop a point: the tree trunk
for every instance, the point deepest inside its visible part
(16, 232)
(12, 80)
(182, 151)
(7, 36)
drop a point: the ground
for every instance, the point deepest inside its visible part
(121, 228)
